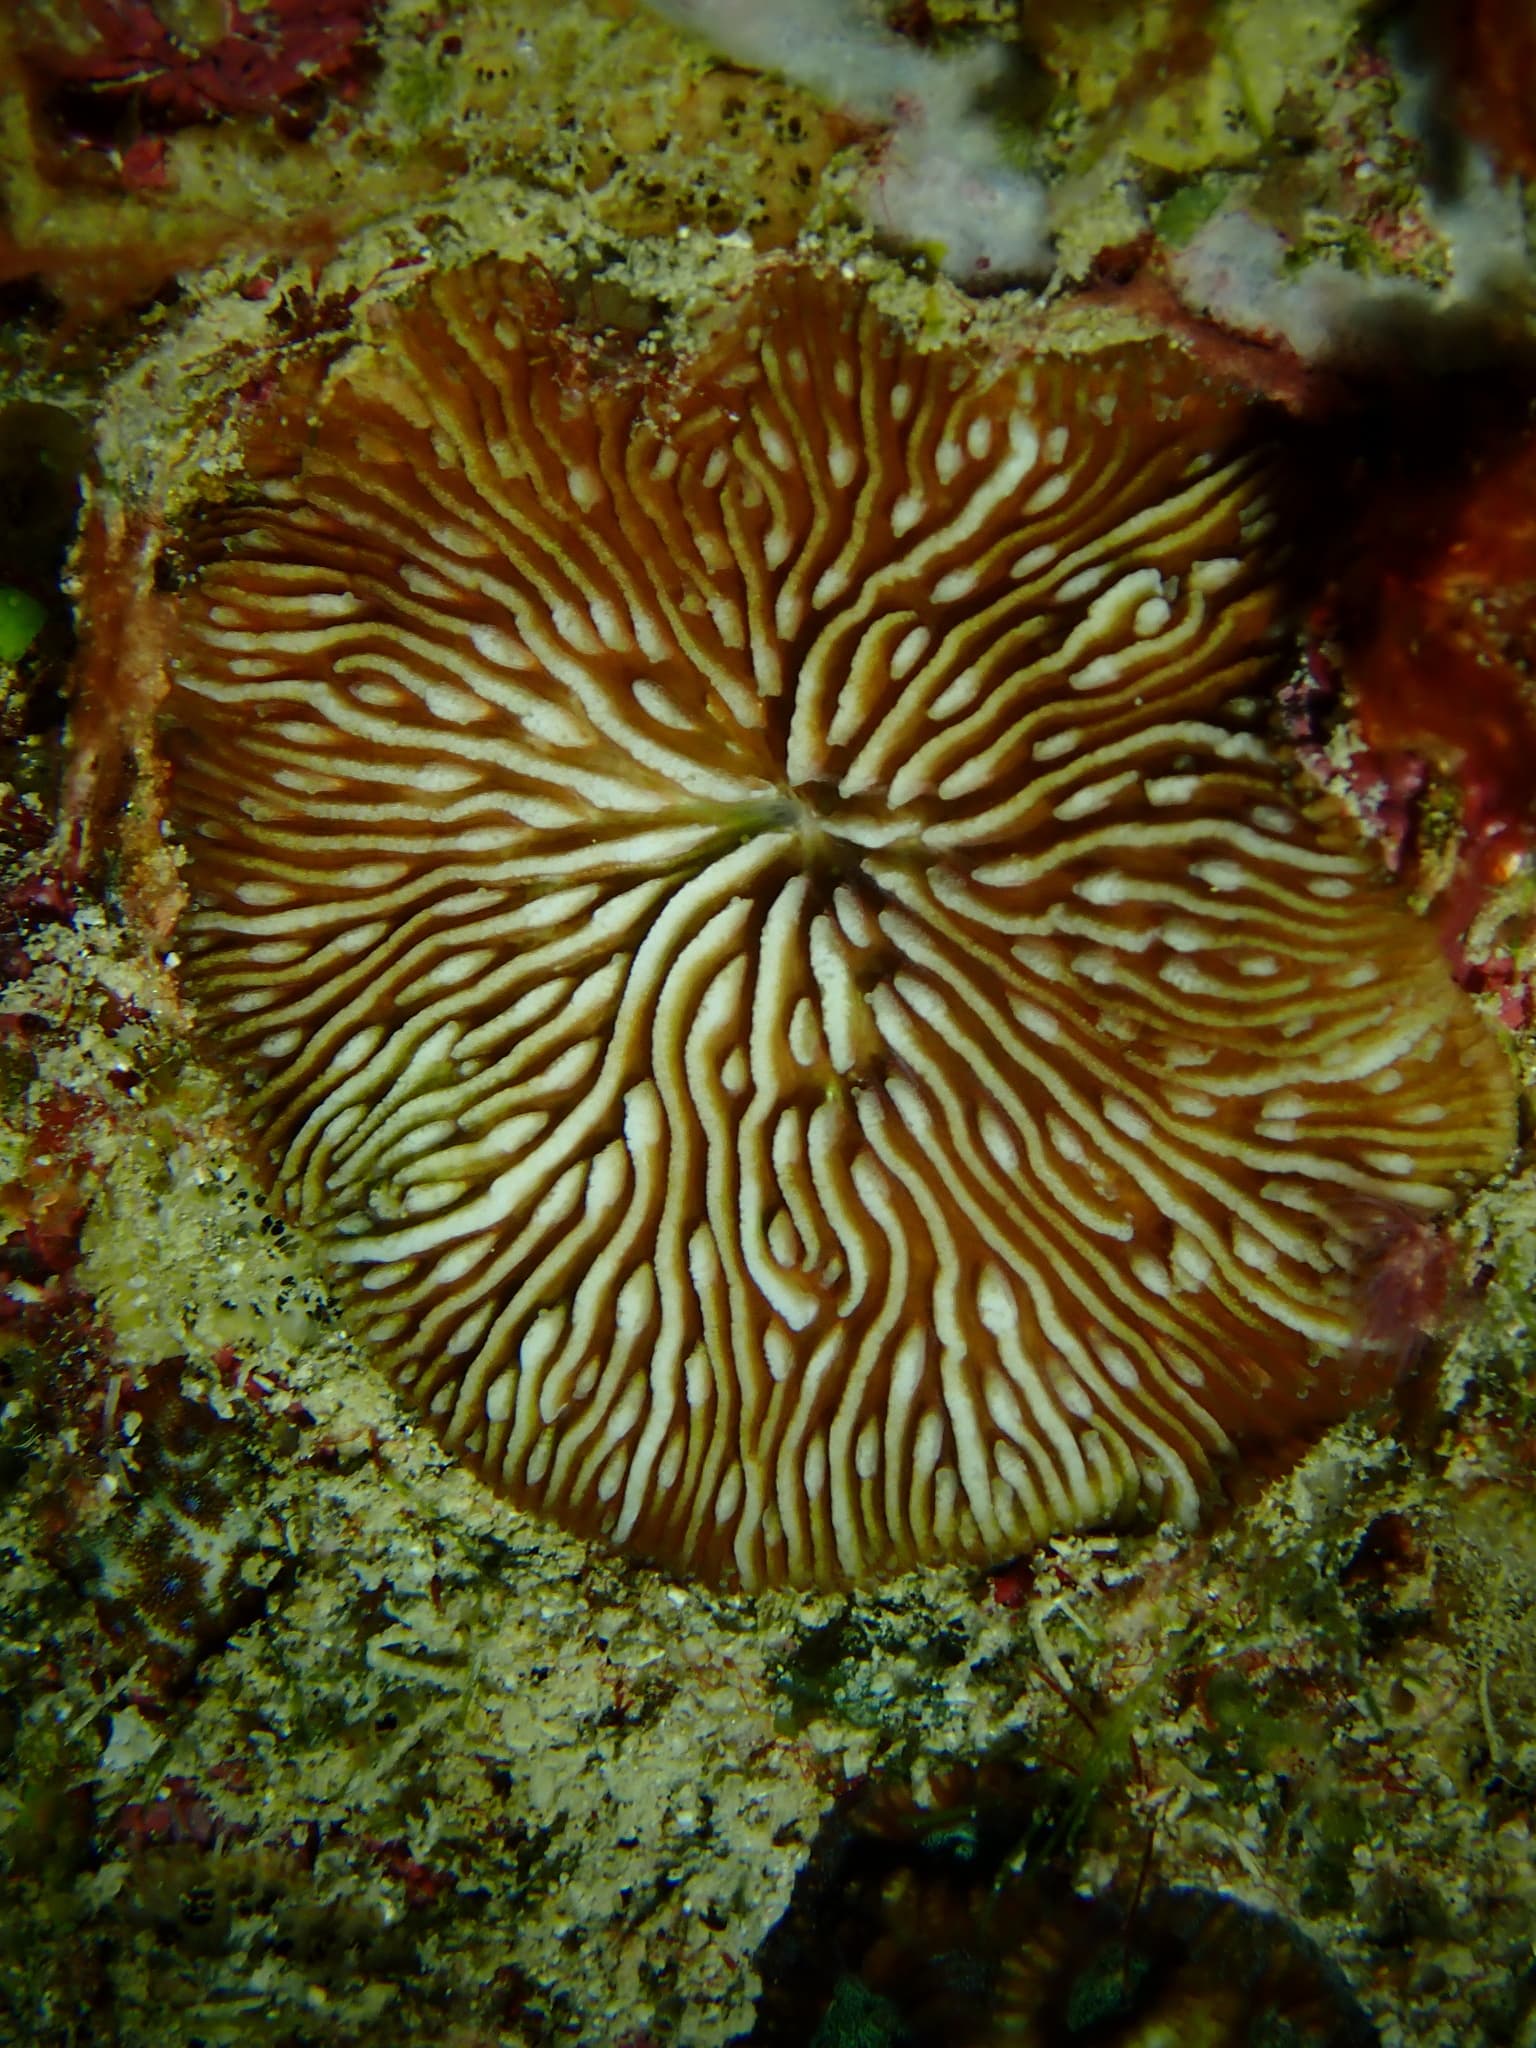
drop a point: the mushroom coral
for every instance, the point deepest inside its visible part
(766, 936)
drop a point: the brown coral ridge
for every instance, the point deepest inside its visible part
(768, 941)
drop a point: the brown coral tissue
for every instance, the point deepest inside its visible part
(765, 936)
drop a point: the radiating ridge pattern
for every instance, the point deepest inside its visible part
(768, 941)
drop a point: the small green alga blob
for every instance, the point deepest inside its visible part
(21, 620)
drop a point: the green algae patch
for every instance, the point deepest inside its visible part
(22, 618)
(1180, 217)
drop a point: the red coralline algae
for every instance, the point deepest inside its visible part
(33, 901)
(1489, 51)
(36, 1260)
(180, 1813)
(1448, 666)
(135, 74)
(421, 1884)
(143, 164)
(1429, 639)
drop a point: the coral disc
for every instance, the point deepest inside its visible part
(767, 938)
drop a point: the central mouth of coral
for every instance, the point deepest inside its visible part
(818, 847)
(813, 813)
(832, 833)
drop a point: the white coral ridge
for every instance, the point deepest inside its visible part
(942, 181)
